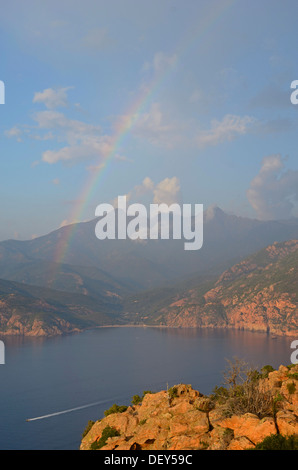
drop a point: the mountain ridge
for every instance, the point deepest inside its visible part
(227, 239)
(132, 283)
(259, 294)
(35, 311)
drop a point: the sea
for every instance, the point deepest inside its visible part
(51, 387)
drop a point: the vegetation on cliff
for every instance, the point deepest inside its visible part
(38, 311)
(259, 294)
(251, 410)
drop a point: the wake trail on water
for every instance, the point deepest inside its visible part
(57, 413)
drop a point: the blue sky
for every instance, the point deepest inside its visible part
(215, 125)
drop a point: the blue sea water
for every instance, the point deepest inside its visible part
(87, 372)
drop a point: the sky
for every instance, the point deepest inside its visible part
(163, 101)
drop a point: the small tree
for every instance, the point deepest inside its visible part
(291, 388)
(243, 393)
(235, 372)
(278, 442)
(115, 409)
(106, 433)
(136, 399)
(266, 371)
(173, 392)
(87, 428)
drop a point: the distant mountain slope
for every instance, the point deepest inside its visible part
(260, 293)
(35, 311)
(87, 280)
(131, 265)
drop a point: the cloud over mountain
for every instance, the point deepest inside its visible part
(274, 191)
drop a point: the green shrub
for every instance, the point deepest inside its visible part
(291, 388)
(87, 428)
(278, 442)
(115, 409)
(293, 376)
(242, 393)
(173, 392)
(266, 370)
(228, 435)
(219, 394)
(106, 433)
(254, 375)
(276, 400)
(136, 399)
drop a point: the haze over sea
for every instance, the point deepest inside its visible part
(83, 374)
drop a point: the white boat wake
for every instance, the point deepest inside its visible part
(69, 410)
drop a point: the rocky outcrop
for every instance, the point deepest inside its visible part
(258, 294)
(37, 311)
(22, 325)
(188, 420)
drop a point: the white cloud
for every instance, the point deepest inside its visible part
(58, 121)
(87, 149)
(166, 191)
(96, 39)
(52, 98)
(160, 62)
(76, 140)
(210, 212)
(274, 192)
(225, 130)
(64, 223)
(84, 141)
(14, 132)
(157, 128)
(98, 167)
(146, 186)
(48, 136)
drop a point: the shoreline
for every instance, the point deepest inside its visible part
(272, 335)
(78, 331)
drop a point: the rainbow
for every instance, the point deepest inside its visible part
(126, 124)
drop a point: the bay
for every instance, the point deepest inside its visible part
(60, 383)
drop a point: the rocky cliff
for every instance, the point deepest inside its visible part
(257, 294)
(184, 419)
(19, 325)
(36, 311)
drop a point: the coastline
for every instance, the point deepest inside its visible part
(42, 334)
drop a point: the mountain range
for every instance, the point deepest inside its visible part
(259, 293)
(69, 280)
